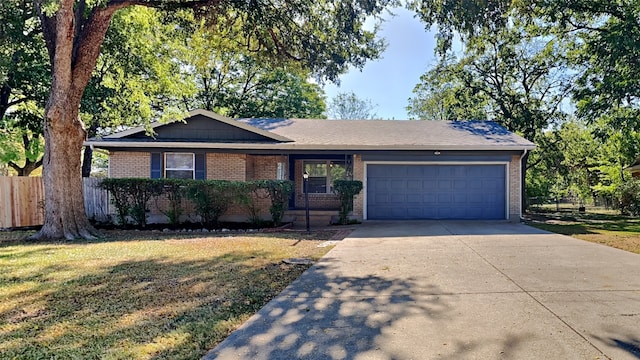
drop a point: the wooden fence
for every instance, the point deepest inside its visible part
(22, 201)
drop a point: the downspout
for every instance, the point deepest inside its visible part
(524, 153)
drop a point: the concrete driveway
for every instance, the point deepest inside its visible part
(452, 290)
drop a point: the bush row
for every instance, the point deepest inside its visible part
(210, 198)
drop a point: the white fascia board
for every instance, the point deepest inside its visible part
(293, 146)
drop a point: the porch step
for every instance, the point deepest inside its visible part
(316, 217)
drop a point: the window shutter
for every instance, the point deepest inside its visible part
(201, 166)
(156, 165)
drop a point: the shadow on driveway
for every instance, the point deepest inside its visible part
(329, 318)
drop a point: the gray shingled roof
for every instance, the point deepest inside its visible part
(313, 134)
(392, 133)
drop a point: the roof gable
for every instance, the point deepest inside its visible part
(201, 126)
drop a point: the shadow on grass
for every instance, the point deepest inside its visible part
(571, 223)
(138, 235)
(565, 229)
(158, 308)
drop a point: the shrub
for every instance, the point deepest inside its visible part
(279, 192)
(346, 190)
(247, 193)
(629, 197)
(119, 196)
(211, 198)
(130, 197)
(174, 189)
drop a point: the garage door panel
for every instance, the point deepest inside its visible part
(436, 191)
(429, 198)
(414, 184)
(397, 198)
(445, 184)
(460, 184)
(429, 184)
(414, 171)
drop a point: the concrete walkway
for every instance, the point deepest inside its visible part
(452, 290)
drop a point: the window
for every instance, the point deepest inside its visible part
(179, 166)
(322, 174)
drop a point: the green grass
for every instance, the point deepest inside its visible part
(595, 225)
(138, 295)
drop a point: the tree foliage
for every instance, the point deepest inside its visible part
(604, 39)
(349, 106)
(442, 95)
(510, 76)
(232, 81)
(24, 77)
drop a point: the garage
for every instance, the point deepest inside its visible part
(436, 191)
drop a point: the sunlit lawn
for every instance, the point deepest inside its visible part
(599, 226)
(139, 295)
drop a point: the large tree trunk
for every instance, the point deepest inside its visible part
(65, 215)
(73, 40)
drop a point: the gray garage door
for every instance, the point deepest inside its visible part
(435, 191)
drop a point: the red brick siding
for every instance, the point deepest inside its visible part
(125, 164)
(226, 166)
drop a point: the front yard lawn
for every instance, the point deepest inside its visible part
(140, 295)
(606, 228)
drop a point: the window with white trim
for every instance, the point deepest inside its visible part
(179, 165)
(322, 174)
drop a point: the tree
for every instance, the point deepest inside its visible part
(602, 47)
(234, 82)
(325, 36)
(350, 106)
(24, 74)
(134, 83)
(441, 95)
(24, 69)
(23, 127)
(605, 36)
(518, 78)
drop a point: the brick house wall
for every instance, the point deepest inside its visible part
(265, 167)
(129, 164)
(226, 166)
(514, 188)
(358, 174)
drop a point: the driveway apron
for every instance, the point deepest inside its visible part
(452, 290)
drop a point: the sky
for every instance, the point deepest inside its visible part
(388, 82)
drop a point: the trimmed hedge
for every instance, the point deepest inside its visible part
(130, 196)
(211, 198)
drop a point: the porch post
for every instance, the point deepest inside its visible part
(305, 177)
